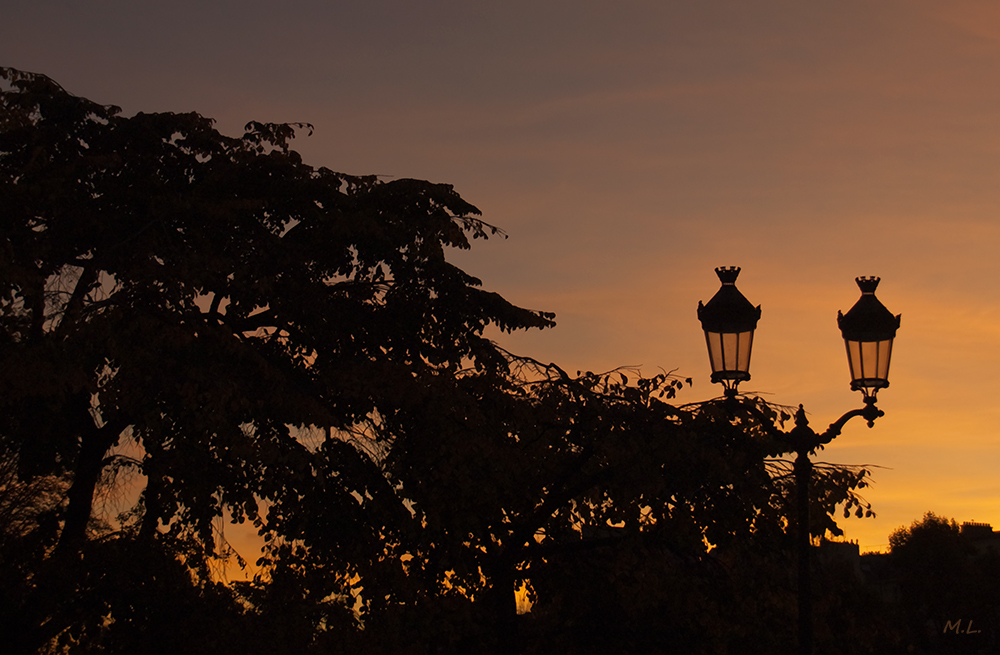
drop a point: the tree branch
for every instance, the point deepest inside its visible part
(94, 445)
(74, 307)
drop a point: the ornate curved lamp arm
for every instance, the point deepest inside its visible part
(804, 439)
(869, 412)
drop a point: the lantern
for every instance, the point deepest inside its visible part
(729, 320)
(868, 330)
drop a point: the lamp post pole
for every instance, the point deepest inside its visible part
(802, 440)
(803, 473)
(729, 320)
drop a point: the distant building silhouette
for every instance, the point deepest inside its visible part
(874, 570)
(981, 536)
(846, 553)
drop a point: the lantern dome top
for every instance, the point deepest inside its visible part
(728, 311)
(868, 319)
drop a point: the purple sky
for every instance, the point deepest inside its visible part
(629, 148)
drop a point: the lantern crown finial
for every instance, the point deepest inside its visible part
(728, 274)
(868, 284)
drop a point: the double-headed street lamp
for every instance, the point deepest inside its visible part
(729, 321)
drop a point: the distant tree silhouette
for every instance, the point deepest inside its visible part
(950, 598)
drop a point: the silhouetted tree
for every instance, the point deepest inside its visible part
(202, 298)
(254, 337)
(631, 521)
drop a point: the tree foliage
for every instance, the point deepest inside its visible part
(250, 337)
(203, 297)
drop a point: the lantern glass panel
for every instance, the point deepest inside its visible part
(714, 340)
(729, 354)
(869, 362)
(854, 359)
(744, 341)
(885, 352)
(730, 350)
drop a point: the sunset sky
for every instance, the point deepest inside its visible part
(628, 149)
